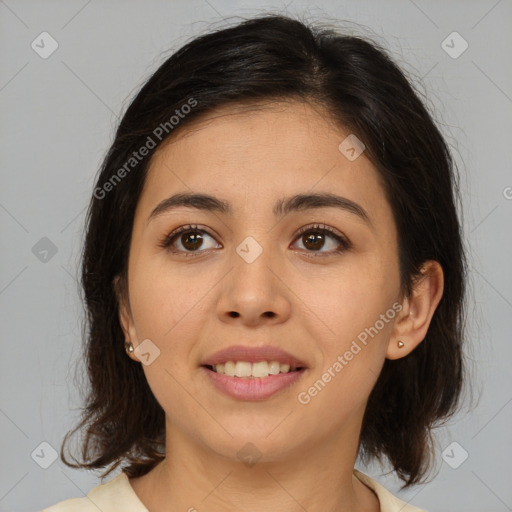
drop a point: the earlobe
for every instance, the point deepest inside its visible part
(411, 326)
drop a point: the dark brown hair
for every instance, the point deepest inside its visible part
(269, 58)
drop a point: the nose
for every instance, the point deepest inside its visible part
(254, 293)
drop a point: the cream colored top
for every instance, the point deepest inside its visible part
(118, 496)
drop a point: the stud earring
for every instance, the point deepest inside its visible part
(129, 347)
(400, 344)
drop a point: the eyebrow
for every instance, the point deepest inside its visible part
(298, 202)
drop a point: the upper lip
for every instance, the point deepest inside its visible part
(253, 355)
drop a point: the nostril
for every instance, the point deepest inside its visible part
(234, 314)
(270, 314)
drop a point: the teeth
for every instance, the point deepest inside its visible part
(274, 367)
(244, 369)
(229, 368)
(259, 369)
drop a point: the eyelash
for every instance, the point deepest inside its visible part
(167, 242)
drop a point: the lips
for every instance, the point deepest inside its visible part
(253, 355)
(253, 389)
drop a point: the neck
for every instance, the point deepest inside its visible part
(316, 478)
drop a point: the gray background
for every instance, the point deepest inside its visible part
(57, 120)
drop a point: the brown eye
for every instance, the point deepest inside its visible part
(316, 238)
(188, 239)
(313, 241)
(191, 241)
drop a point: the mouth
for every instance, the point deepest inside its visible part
(238, 381)
(252, 373)
(256, 370)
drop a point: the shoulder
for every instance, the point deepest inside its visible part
(388, 502)
(114, 496)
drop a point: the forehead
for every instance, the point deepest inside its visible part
(248, 151)
(275, 126)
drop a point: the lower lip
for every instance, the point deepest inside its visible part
(253, 388)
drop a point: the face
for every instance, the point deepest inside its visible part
(320, 281)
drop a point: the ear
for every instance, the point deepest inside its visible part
(413, 321)
(125, 314)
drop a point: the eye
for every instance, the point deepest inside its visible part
(191, 239)
(313, 238)
(318, 237)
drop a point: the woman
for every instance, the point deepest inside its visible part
(274, 278)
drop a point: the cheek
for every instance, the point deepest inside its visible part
(166, 305)
(346, 302)
(356, 322)
(163, 300)
(357, 318)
